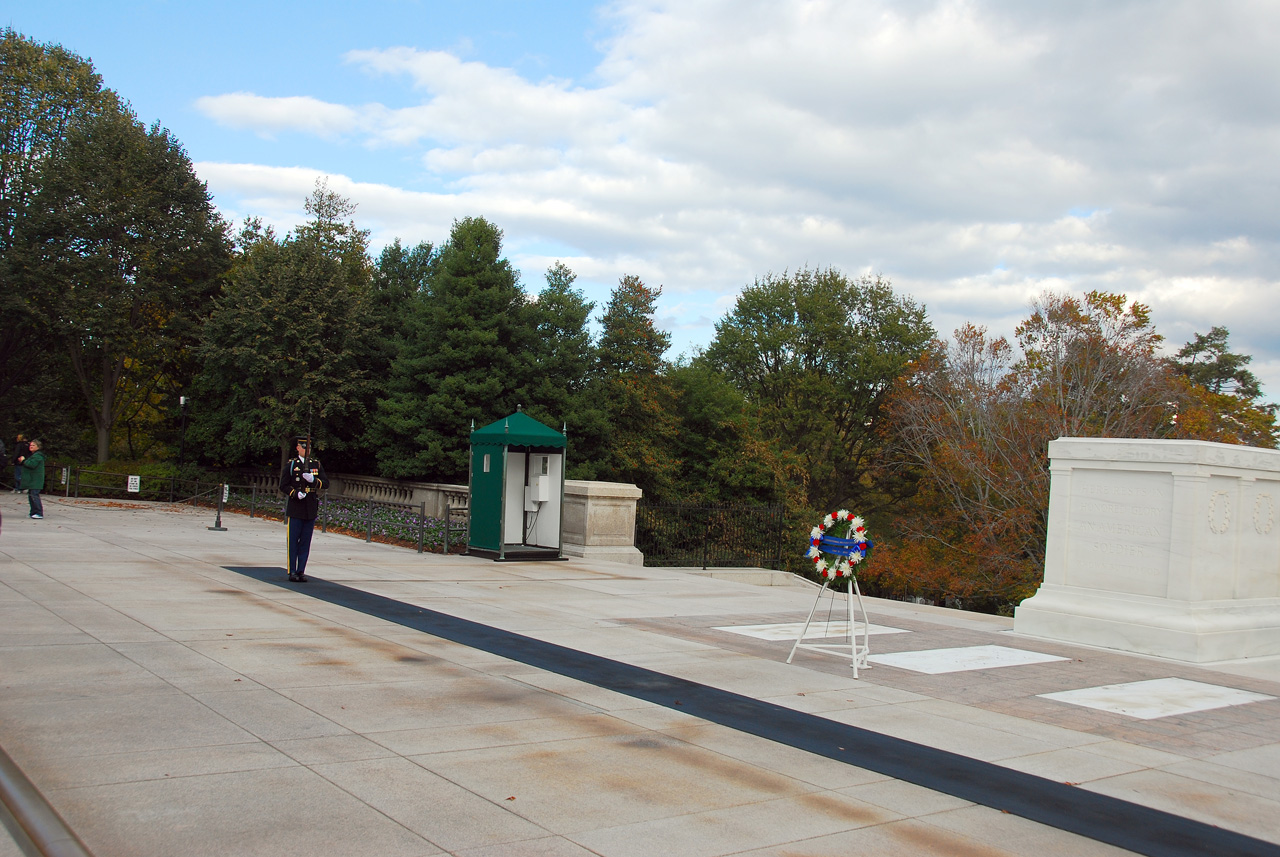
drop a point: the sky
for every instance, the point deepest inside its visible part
(976, 153)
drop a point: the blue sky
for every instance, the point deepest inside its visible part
(976, 152)
(162, 56)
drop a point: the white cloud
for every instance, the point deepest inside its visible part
(975, 152)
(268, 116)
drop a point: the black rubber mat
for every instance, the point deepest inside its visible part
(1104, 819)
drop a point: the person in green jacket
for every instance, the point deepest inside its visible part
(33, 478)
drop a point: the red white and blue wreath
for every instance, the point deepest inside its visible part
(846, 552)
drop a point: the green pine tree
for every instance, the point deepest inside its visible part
(631, 437)
(467, 358)
(564, 353)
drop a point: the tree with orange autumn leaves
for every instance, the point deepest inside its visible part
(973, 418)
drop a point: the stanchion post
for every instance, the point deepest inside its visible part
(781, 521)
(706, 537)
(422, 523)
(448, 521)
(222, 496)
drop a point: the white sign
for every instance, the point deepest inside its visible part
(226, 492)
(135, 484)
(66, 474)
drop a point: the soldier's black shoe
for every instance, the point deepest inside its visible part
(293, 578)
(302, 578)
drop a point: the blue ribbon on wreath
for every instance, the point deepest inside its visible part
(844, 547)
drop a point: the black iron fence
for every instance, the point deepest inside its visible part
(679, 535)
(398, 522)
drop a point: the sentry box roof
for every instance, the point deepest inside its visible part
(519, 429)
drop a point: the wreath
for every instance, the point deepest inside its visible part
(849, 551)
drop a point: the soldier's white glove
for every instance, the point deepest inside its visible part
(310, 477)
(302, 495)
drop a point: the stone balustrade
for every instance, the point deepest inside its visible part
(437, 496)
(599, 517)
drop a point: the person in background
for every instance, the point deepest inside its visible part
(302, 479)
(33, 473)
(19, 450)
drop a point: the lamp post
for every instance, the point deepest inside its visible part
(182, 440)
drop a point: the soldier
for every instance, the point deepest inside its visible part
(301, 479)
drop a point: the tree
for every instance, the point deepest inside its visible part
(563, 352)
(467, 358)
(630, 342)
(284, 348)
(818, 354)
(1091, 367)
(44, 90)
(1219, 395)
(724, 454)
(125, 234)
(963, 427)
(630, 437)
(1205, 415)
(400, 276)
(973, 421)
(1207, 362)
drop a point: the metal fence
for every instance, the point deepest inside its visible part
(395, 522)
(679, 535)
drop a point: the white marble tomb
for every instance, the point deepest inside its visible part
(1161, 547)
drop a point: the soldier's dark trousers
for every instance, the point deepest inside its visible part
(300, 543)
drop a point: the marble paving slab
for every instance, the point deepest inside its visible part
(817, 630)
(938, 661)
(1155, 698)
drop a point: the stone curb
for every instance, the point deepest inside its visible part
(40, 821)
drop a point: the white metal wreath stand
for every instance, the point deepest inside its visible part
(857, 651)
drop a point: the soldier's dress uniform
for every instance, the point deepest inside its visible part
(302, 508)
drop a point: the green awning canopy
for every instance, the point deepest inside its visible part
(518, 429)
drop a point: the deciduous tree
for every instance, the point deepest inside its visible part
(974, 418)
(818, 353)
(125, 236)
(1091, 367)
(724, 455)
(44, 90)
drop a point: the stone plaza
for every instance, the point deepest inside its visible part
(164, 692)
